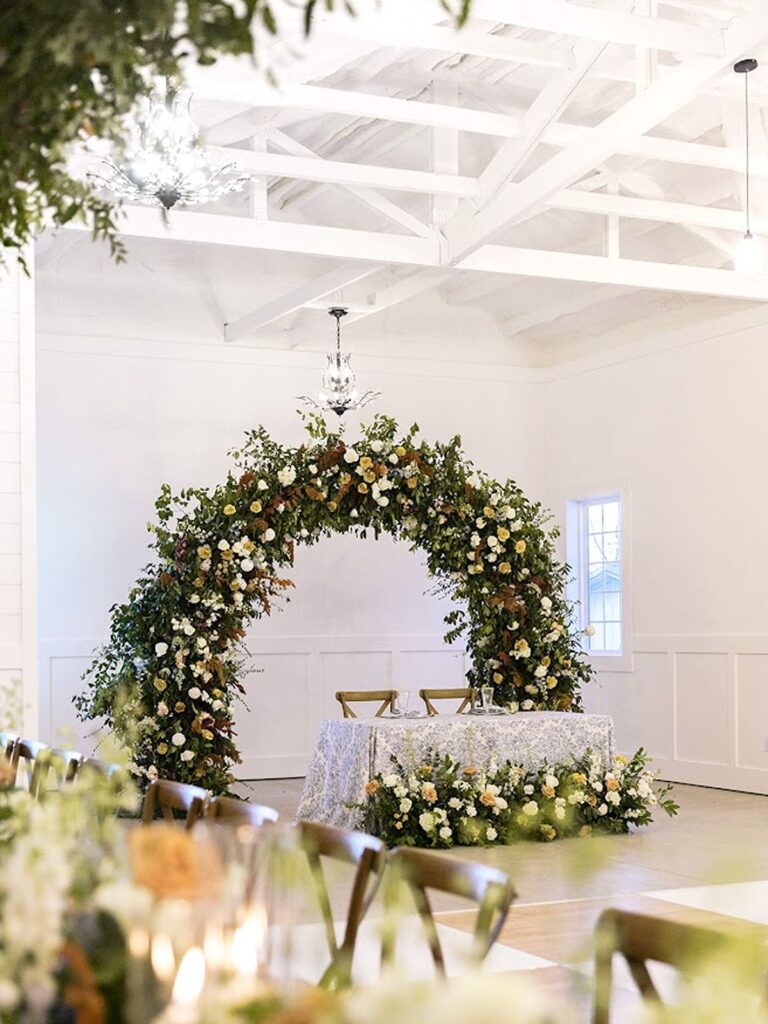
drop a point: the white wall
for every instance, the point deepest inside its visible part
(683, 432)
(118, 418)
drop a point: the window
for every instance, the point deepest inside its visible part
(597, 562)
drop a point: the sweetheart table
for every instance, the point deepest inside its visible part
(351, 751)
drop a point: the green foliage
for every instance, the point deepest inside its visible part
(442, 803)
(167, 680)
(71, 69)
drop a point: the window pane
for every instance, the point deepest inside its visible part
(595, 515)
(596, 613)
(597, 642)
(611, 546)
(612, 603)
(612, 572)
(611, 518)
(612, 637)
(596, 549)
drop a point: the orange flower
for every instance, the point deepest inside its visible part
(371, 787)
(547, 791)
(612, 784)
(592, 800)
(470, 770)
(173, 865)
(487, 798)
(579, 778)
(429, 792)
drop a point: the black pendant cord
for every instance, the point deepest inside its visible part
(746, 147)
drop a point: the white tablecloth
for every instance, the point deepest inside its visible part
(351, 751)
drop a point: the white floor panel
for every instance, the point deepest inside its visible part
(308, 956)
(746, 900)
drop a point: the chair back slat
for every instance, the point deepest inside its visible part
(240, 812)
(347, 697)
(640, 939)
(8, 741)
(168, 797)
(26, 751)
(487, 886)
(465, 695)
(368, 855)
(64, 764)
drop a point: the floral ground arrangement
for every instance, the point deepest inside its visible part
(441, 803)
(167, 681)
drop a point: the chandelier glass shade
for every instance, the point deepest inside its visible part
(339, 392)
(163, 161)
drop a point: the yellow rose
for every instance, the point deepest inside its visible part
(369, 476)
(207, 735)
(551, 682)
(505, 568)
(612, 784)
(178, 707)
(362, 488)
(198, 581)
(620, 759)
(400, 451)
(332, 506)
(579, 778)
(412, 482)
(366, 462)
(547, 791)
(488, 512)
(498, 677)
(255, 506)
(159, 684)
(425, 769)
(429, 792)
(548, 832)
(487, 799)
(503, 533)
(204, 551)
(229, 510)
(234, 586)
(217, 693)
(520, 547)
(227, 556)
(162, 748)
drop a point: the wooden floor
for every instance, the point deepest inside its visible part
(706, 866)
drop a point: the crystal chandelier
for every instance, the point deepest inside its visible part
(164, 163)
(339, 393)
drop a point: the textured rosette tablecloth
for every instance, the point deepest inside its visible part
(351, 751)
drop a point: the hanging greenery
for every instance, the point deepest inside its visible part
(167, 680)
(71, 69)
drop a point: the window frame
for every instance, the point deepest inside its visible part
(577, 556)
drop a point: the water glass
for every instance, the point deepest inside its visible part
(487, 695)
(400, 701)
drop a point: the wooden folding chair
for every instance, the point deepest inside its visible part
(240, 812)
(170, 797)
(27, 751)
(105, 768)
(640, 938)
(489, 887)
(345, 697)
(368, 854)
(463, 694)
(63, 763)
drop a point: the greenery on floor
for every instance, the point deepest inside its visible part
(442, 803)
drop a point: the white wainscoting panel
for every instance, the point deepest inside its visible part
(698, 704)
(290, 685)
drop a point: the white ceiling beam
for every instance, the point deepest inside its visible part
(584, 299)
(634, 119)
(569, 266)
(663, 211)
(565, 18)
(403, 290)
(364, 105)
(340, 277)
(275, 236)
(367, 196)
(339, 172)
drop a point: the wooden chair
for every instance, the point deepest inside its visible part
(240, 812)
(7, 743)
(368, 854)
(345, 697)
(105, 768)
(464, 694)
(489, 887)
(170, 797)
(640, 938)
(64, 764)
(27, 751)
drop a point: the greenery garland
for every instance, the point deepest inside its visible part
(440, 804)
(167, 680)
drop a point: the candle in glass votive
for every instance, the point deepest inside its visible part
(162, 957)
(248, 944)
(184, 1007)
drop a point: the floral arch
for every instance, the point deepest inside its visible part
(167, 680)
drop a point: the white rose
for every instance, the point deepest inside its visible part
(303, 533)
(427, 821)
(382, 501)
(161, 649)
(540, 671)
(187, 755)
(189, 629)
(223, 545)
(162, 709)
(471, 811)
(152, 772)
(261, 485)
(551, 780)
(406, 805)
(217, 705)
(390, 781)
(602, 809)
(376, 446)
(531, 809)
(194, 693)
(445, 832)
(613, 797)
(246, 565)
(528, 790)
(546, 603)
(491, 833)
(268, 535)
(194, 599)
(178, 739)
(560, 813)
(286, 475)
(589, 631)
(350, 455)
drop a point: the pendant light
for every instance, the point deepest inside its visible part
(748, 257)
(339, 393)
